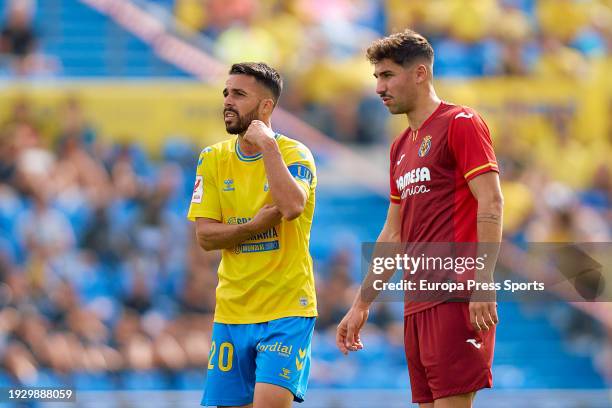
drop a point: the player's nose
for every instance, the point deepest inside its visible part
(228, 102)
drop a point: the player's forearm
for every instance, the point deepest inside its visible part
(385, 247)
(288, 196)
(489, 219)
(224, 236)
(489, 230)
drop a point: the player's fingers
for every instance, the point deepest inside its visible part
(350, 336)
(473, 319)
(493, 313)
(341, 330)
(357, 341)
(341, 338)
(482, 319)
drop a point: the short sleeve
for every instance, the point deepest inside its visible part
(394, 194)
(205, 198)
(301, 165)
(471, 146)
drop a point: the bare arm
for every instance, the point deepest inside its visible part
(347, 334)
(286, 192)
(487, 191)
(213, 234)
(389, 234)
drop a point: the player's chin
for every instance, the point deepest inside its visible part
(232, 129)
(394, 110)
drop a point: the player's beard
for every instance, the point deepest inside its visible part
(243, 122)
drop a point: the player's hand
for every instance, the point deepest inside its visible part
(257, 133)
(483, 315)
(347, 333)
(267, 217)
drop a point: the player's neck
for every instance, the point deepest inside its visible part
(424, 109)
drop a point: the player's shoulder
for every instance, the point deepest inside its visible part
(218, 149)
(459, 112)
(293, 148)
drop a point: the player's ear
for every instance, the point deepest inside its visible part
(266, 106)
(421, 73)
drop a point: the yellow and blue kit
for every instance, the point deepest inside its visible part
(266, 290)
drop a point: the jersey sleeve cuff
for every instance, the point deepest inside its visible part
(304, 186)
(478, 170)
(395, 199)
(203, 214)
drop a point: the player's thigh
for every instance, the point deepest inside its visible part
(272, 396)
(455, 401)
(421, 393)
(230, 379)
(457, 358)
(241, 406)
(283, 354)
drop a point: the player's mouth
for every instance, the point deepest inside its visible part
(229, 115)
(386, 99)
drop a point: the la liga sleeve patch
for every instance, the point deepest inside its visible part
(198, 190)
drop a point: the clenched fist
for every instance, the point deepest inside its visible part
(257, 133)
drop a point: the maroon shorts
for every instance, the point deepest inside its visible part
(445, 355)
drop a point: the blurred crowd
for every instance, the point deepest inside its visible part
(98, 270)
(320, 45)
(101, 282)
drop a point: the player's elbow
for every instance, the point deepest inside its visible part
(493, 203)
(204, 242)
(292, 212)
(498, 202)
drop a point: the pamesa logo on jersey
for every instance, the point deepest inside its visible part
(425, 146)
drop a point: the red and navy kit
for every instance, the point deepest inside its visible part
(429, 174)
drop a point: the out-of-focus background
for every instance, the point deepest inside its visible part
(105, 104)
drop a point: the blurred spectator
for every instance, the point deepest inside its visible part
(17, 38)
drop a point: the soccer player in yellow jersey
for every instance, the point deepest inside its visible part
(254, 199)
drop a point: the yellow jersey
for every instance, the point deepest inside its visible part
(269, 276)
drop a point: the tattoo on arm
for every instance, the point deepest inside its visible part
(489, 218)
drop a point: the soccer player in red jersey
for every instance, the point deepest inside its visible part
(444, 188)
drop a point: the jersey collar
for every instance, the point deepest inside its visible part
(244, 157)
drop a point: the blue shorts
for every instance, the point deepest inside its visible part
(275, 352)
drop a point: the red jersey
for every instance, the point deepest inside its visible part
(430, 170)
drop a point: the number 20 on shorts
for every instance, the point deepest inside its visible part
(226, 356)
